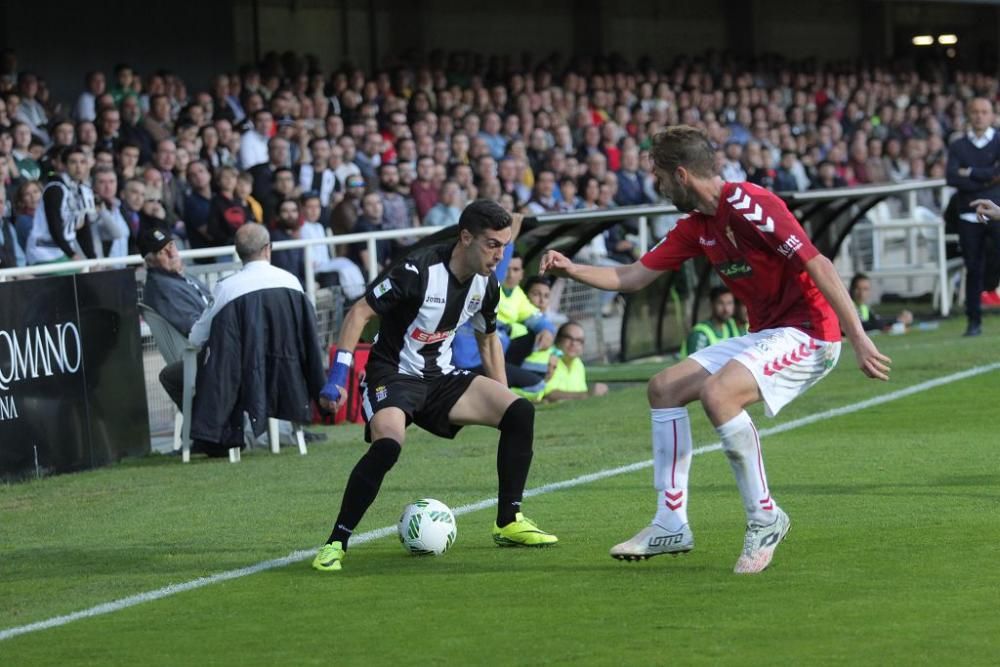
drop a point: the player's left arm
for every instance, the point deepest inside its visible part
(491, 352)
(872, 363)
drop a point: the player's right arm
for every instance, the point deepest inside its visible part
(332, 396)
(628, 278)
(678, 245)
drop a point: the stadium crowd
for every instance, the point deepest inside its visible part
(310, 153)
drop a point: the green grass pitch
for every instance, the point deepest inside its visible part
(892, 558)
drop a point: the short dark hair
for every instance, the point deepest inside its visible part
(536, 280)
(684, 146)
(858, 277)
(716, 292)
(481, 215)
(69, 150)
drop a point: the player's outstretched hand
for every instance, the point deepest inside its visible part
(554, 262)
(872, 363)
(985, 210)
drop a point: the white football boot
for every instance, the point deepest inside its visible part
(655, 540)
(760, 542)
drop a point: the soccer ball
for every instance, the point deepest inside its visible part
(427, 527)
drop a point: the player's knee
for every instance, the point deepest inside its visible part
(664, 391)
(519, 417)
(712, 395)
(385, 452)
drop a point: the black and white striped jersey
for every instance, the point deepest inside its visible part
(421, 305)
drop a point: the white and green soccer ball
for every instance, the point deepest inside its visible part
(427, 527)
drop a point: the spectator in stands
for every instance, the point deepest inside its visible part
(212, 151)
(133, 130)
(157, 122)
(543, 199)
(227, 211)
(631, 190)
(369, 220)
(164, 162)
(784, 175)
(368, 157)
(254, 143)
(29, 109)
(197, 204)
(94, 86)
(399, 211)
(288, 227)
(127, 160)
(732, 166)
(11, 252)
(244, 193)
(974, 171)
(316, 175)
(568, 380)
(264, 173)
(449, 207)
(133, 198)
(423, 191)
(27, 167)
(328, 270)
(719, 327)
(67, 207)
(110, 230)
(826, 177)
(27, 198)
(861, 289)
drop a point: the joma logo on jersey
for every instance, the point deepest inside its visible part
(706, 242)
(735, 270)
(429, 337)
(791, 246)
(434, 299)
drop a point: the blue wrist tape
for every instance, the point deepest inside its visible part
(341, 368)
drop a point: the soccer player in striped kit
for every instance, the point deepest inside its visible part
(794, 298)
(409, 377)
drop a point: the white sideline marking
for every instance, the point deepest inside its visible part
(298, 556)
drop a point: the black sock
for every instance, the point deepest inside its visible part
(517, 431)
(363, 486)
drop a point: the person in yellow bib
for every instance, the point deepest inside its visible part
(530, 330)
(720, 326)
(569, 377)
(861, 291)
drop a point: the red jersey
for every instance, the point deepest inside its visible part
(760, 250)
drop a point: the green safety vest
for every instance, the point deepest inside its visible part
(864, 312)
(729, 330)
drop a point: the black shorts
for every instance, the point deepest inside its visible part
(425, 402)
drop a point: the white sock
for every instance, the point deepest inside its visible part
(741, 444)
(671, 464)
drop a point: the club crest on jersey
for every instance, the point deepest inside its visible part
(429, 337)
(381, 392)
(735, 270)
(474, 301)
(382, 288)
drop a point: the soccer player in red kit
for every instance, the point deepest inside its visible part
(794, 298)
